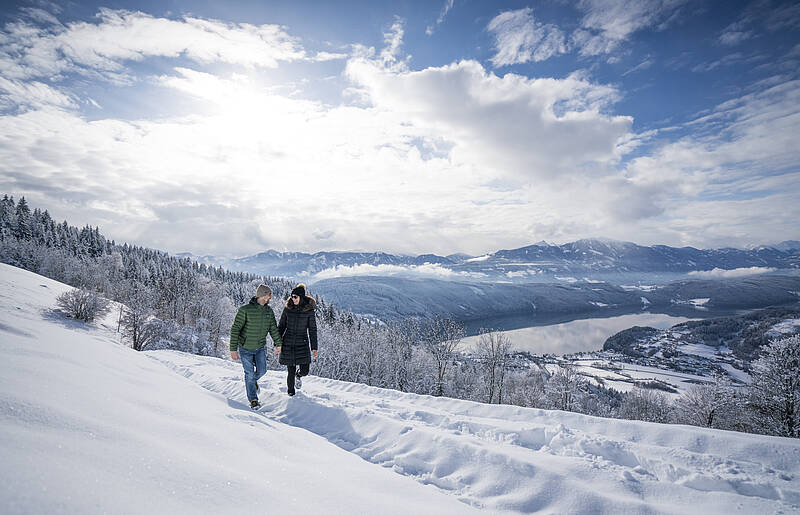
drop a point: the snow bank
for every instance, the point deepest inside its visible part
(92, 426)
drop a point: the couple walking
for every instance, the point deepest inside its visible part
(291, 337)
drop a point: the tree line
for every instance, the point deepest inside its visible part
(165, 302)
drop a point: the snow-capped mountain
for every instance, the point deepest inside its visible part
(587, 257)
(90, 425)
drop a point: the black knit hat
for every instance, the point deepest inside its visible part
(300, 290)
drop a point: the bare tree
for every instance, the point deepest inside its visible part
(494, 351)
(440, 338)
(564, 389)
(136, 318)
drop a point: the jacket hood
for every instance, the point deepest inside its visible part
(309, 305)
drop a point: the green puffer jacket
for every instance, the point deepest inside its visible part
(251, 325)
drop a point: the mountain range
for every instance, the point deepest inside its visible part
(597, 258)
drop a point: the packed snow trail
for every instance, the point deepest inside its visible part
(524, 460)
(89, 425)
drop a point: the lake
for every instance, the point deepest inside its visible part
(578, 335)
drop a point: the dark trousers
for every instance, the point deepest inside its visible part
(292, 372)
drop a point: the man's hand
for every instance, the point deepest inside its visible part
(278, 349)
(235, 355)
(314, 353)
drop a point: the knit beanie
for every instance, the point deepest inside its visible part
(263, 290)
(300, 290)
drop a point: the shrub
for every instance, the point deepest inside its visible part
(83, 304)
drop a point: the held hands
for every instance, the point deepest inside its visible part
(235, 355)
(278, 349)
(314, 353)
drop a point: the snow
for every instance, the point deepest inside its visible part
(785, 328)
(90, 425)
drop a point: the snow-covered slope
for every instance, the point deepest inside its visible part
(91, 426)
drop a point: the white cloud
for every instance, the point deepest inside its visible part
(519, 38)
(391, 53)
(431, 270)
(719, 273)
(448, 4)
(647, 63)
(32, 94)
(732, 180)
(539, 128)
(734, 37)
(99, 49)
(443, 159)
(606, 24)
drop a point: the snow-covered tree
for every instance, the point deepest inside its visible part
(83, 304)
(440, 338)
(494, 349)
(646, 404)
(136, 323)
(716, 405)
(564, 389)
(775, 390)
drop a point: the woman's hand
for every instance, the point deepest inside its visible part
(278, 350)
(314, 353)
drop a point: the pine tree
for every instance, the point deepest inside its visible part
(23, 228)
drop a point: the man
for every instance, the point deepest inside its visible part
(249, 337)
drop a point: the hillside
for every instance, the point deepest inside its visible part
(389, 298)
(91, 426)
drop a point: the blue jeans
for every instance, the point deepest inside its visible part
(255, 366)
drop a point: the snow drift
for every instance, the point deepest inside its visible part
(91, 426)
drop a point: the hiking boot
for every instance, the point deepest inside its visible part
(291, 394)
(258, 388)
(298, 382)
(254, 404)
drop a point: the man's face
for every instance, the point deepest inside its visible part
(263, 300)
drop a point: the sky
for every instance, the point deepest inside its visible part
(229, 128)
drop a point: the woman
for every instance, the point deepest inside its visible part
(298, 328)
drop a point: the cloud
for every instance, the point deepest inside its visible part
(519, 38)
(448, 4)
(441, 159)
(606, 24)
(431, 270)
(647, 63)
(328, 56)
(393, 38)
(99, 49)
(19, 94)
(603, 28)
(735, 169)
(734, 37)
(719, 273)
(536, 128)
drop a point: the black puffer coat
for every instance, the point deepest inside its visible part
(298, 328)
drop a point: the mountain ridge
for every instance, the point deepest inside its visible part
(584, 256)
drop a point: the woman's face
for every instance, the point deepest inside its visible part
(296, 300)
